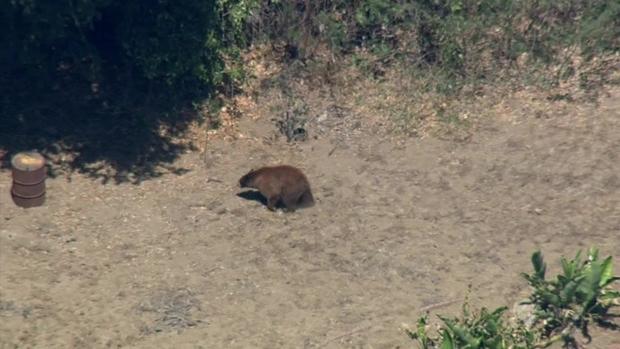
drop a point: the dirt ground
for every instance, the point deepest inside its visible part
(182, 261)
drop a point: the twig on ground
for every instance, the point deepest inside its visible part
(437, 305)
(346, 334)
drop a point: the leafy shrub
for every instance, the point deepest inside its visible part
(175, 44)
(484, 329)
(580, 295)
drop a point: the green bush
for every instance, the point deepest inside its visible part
(582, 294)
(178, 45)
(579, 296)
(484, 329)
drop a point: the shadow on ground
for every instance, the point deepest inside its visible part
(112, 136)
(253, 195)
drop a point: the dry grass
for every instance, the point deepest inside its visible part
(395, 99)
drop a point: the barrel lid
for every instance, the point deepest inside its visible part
(28, 161)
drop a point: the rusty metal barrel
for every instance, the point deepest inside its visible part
(29, 174)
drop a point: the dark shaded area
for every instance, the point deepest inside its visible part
(608, 324)
(104, 88)
(115, 134)
(254, 195)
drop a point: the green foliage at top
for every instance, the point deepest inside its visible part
(168, 43)
(184, 44)
(581, 294)
(460, 40)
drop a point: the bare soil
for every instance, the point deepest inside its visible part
(182, 261)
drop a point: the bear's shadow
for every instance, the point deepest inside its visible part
(254, 195)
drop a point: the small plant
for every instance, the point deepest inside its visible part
(577, 297)
(581, 295)
(484, 329)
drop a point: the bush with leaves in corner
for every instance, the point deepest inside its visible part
(581, 295)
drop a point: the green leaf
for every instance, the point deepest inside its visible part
(529, 278)
(420, 333)
(607, 272)
(456, 6)
(577, 258)
(593, 278)
(592, 254)
(499, 311)
(496, 343)
(540, 267)
(551, 298)
(568, 293)
(447, 342)
(568, 268)
(589, 286)
(610, 295)
(463, 334)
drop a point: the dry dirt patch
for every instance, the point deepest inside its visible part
(182, 261)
